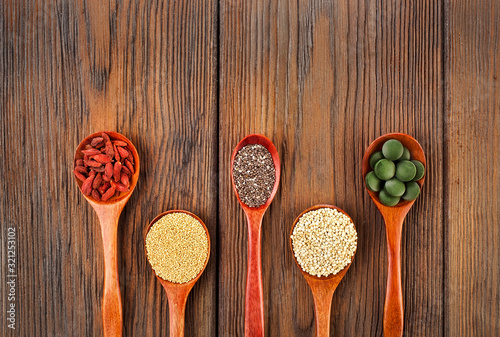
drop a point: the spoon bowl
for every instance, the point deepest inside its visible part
(254, 298)
(394, 217)
(108, 213)
(416, 153)
(133, 182)
(177, 293)
(322, 287)
(266, 142)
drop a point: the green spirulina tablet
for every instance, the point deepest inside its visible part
(373, 183)
(392, 149)
(420, 170)
(405, 170)
(387, 199)
(375, 157)
(385, 169)
(394, 187)
(412, 191)
(406, 154)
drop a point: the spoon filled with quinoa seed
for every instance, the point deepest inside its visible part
(177, 247)
(255, 174)
(323, 240)
(393, 169)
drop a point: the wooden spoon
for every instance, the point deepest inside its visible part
(254, 298)
(323, 287)
(177, 293)
(394, 217)
(108, 213)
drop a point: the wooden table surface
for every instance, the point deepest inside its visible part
(185, 81)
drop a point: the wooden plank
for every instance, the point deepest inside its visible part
(322, 80)
(147, 70)
(472, 176)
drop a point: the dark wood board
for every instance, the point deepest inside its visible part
(472, 174)
(185, 81)
(147, 70)
(322, 80)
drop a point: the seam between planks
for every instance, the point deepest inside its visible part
(444, 61)
(217, 98)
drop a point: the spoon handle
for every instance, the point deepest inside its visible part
(254, 297)
(112, 315)
(393, 309)
(176, 313)
(322, 310)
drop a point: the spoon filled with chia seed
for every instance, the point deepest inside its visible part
(255, 174)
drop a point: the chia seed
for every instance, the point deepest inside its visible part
(254, 174)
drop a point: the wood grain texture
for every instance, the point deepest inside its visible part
(185, 81)
(322, 80)
(472, 172)
(70, 68)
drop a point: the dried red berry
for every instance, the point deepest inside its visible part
(104, 187)
(116, 171)
(120, 187)
(108, 172)
(98, 169)
(109, 193)
(109, 149)
(117, 155)
(92, 163)
(96, 195)
(87, 185)
(101, 158)
(123, 152)
(119, 143)
(125, 180)
(97, 181)
(96, 141)
(105, 137)
(130, 166)
(79, 175)
(126, 170)
(91, 152)
(81, 169)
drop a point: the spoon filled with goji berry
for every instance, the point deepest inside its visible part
(106, 168)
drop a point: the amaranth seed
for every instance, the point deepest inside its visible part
(177, 247)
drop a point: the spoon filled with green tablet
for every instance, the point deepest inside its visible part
(394, 172)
